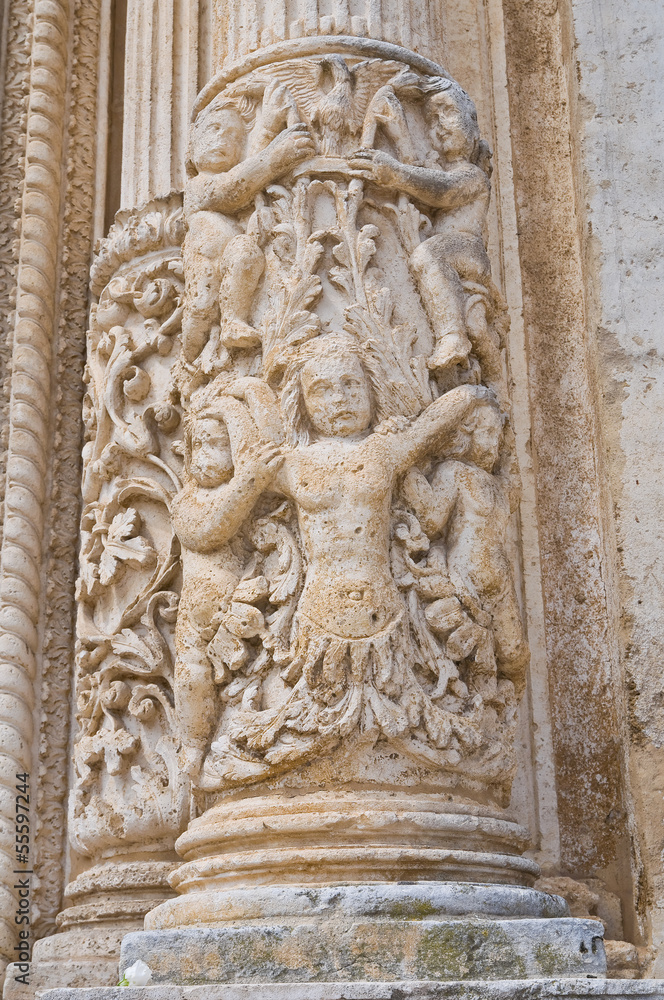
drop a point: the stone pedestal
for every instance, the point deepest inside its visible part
(372, 932)
(106, 903)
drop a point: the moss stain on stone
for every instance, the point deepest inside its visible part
(412, 909)
(551, 961)
(443, 953)
(475, 952)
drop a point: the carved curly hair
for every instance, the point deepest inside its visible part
(242, 106)
(463, 436)
(432, 85)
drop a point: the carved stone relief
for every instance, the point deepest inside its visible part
(64, 508)
(349, 469)
(34, 124)
(127, 785)
(300, 483)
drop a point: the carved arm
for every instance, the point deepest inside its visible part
(442, 189)
(234, 189)
(263, 406)
(432, 430)
(432, 503)
(207, 518)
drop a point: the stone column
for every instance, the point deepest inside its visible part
(127, 802)
(350, 654)
(26, 458)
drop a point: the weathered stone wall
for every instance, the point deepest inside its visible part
(585, 116)
(619, 59)
(584, 673)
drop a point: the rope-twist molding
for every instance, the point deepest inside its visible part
(26, 470)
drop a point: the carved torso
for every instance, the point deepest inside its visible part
(342, 492)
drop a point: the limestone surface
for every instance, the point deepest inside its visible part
(359, 949)
(350, 620)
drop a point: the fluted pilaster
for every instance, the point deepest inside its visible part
(161, 82)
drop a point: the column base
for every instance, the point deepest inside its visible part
(374, 931)
(327, 838)
(109, 901)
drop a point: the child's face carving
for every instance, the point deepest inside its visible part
(336, 396)
(219, 142)
(453, 131)
(211, 460)
(486, 437)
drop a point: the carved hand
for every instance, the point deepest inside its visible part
(393, 425)
(377, 166)
(278, 107)
(241, 386)
(290, 147)
(416, 491)
(262, 462)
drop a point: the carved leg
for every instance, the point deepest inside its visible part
(242, 266)
(200, 310)
(214, 358)
(443, 296)
(511, 647)
(195, 698)
(485, 347)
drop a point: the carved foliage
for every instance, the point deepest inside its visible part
(349, 473)
(127, 784)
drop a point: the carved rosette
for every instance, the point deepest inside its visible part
(349, 474)
(128, 789)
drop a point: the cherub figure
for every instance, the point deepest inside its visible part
(227, 468)
(227, 167)
(456, 185)
(351, 630)
(467, 502)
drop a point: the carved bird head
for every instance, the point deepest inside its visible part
(334, 111)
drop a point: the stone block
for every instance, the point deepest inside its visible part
(363, 949)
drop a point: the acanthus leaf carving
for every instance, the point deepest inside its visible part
(128, 787)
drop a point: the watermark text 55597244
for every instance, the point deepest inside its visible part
(22, 873)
